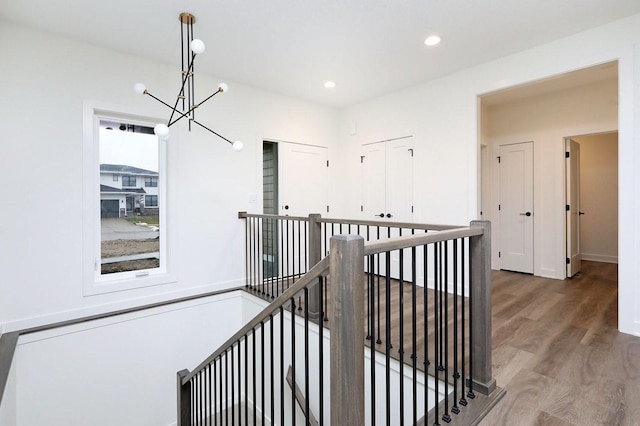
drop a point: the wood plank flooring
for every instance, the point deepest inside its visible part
(556, 349)
(558, 354)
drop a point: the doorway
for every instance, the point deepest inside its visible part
(596, 200)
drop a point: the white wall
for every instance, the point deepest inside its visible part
(599, 197)
(119, 370)
(547, 120)
(45, 81)
(442, 115)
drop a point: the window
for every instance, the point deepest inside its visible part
(126, 239)
(129, 181)
(151, 201)
(150, 181)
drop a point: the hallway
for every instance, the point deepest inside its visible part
(558, 354)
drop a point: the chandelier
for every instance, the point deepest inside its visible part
(185, 105)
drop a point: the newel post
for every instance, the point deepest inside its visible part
(347, 329)
(480, 292)
(315, 256)
(184, 400)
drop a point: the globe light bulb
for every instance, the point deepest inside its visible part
(197, 46)
(237, 146)
(139, 88)
(223, 87)
(161, 131)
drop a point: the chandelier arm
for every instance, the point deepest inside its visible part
(170, 123)
(208, 97)
(215, 133)
(184, 81)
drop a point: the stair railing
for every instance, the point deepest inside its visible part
(444, 309)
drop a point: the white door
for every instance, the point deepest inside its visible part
(387, 180)
(572, 173)
(387, 186)
(516, 207)
(302, 179)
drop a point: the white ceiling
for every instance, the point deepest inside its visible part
(368, 47)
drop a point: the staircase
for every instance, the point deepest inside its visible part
(394, 331)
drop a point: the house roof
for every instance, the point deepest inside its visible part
(109, 189)
(368, 47)
(125, 170)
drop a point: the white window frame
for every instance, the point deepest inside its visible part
(94, 282)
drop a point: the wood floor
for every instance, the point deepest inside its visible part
(558, 354)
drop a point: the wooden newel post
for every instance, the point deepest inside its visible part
(184, 400)
(315, 256)
(480, 253)
(347, 329)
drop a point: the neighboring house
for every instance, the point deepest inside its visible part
(127, 190)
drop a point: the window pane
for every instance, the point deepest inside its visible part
(129, 210)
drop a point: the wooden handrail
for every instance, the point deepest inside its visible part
(314, 273)
(398, 243)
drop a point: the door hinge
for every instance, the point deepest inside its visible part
(362, 159)
(327, 163)
(568, 207)
(499, 254)
(327, 208)
(361, 208)
(411, 151)
(567, 155)
(498, 157)
(411, 209)
(568, 261)
(498, 207)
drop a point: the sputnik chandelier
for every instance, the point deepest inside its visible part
(185, 105)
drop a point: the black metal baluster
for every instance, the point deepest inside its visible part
(282, 373)
(378, 273)
(470, 393)
(255, 377)
(226, 388)
(425, 323)
(446, 417)
(210, 392)
(289, 254)
(306, 355)
(247, 259)
(239, 383)
(401, 330)
(369, 290)
(456, 374)
(293, 362)
(282, 254)
(233, 398)
(388, 335)
(262, 365)
(271, 369)
(414, 332)
(246, 377)
(215, 400)
(371, 344)
(463, 400)
(436, 328)
(321, 355)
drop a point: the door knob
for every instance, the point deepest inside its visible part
(389, 215)
(580, 213)
(379, 215)
(525, 214)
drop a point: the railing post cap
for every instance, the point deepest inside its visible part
(349, 237)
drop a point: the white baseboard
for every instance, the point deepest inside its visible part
(599, 258)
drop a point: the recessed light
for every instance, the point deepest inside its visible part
(432, 40)
(330, 84)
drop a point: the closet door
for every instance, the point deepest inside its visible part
(387, 180)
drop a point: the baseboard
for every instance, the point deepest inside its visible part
(599, 258)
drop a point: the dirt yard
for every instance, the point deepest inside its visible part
(116, 248)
